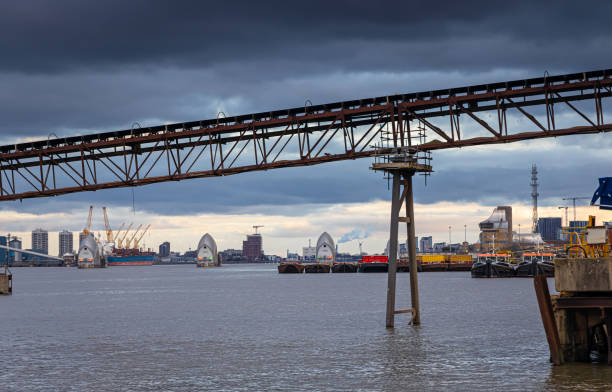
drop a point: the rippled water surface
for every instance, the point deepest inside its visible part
(245, 327)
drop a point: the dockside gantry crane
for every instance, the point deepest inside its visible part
(109, 231)
(87, 228)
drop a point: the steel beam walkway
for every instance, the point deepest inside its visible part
(455, 117)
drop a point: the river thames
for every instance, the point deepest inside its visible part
(245, 327)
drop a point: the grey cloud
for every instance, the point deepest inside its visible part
(67, 35)
(73, 67)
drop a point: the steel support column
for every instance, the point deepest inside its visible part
(396, 205)
(402, 168)
(414, 282)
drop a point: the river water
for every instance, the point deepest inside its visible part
(245, 327)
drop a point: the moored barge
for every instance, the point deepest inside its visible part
(536, 263)
(290, 267)
(317, 268)
(374, 264)
(344, 267)
(492, 265)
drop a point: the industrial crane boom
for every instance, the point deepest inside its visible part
(118, 232)
(87, 228)
(120, 240)
(109, 231)
(137, 240)
(129, 240)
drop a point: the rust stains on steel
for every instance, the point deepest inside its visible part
(305, 136)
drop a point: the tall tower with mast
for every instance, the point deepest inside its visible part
(534, 197)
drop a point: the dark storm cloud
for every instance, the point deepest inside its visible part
(70, 67)
(43, 36)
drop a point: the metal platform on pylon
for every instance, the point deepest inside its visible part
(402, 166)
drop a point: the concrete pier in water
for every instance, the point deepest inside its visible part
(578, 321)
(6, 282)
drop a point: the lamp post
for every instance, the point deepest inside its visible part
(449, 238)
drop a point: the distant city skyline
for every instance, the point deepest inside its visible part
(282, 232)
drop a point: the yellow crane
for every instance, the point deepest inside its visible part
(129, 240)
(137, 240)
(118, 232)
(87, 228)
(120, 240)
(109, 231)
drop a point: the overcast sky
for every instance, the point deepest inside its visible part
(74, 67)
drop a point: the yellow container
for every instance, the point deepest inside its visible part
(460, 258)
(432, 259)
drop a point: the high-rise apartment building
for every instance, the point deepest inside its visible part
(252, 247)
(66, 239)
(550, 228)
(164, 249)
(40, 240)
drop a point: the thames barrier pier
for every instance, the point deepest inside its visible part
(401, 167)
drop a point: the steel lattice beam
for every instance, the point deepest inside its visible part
(306, 136)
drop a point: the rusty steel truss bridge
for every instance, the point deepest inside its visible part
(504, 112)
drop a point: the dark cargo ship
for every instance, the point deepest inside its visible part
(130, 257)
